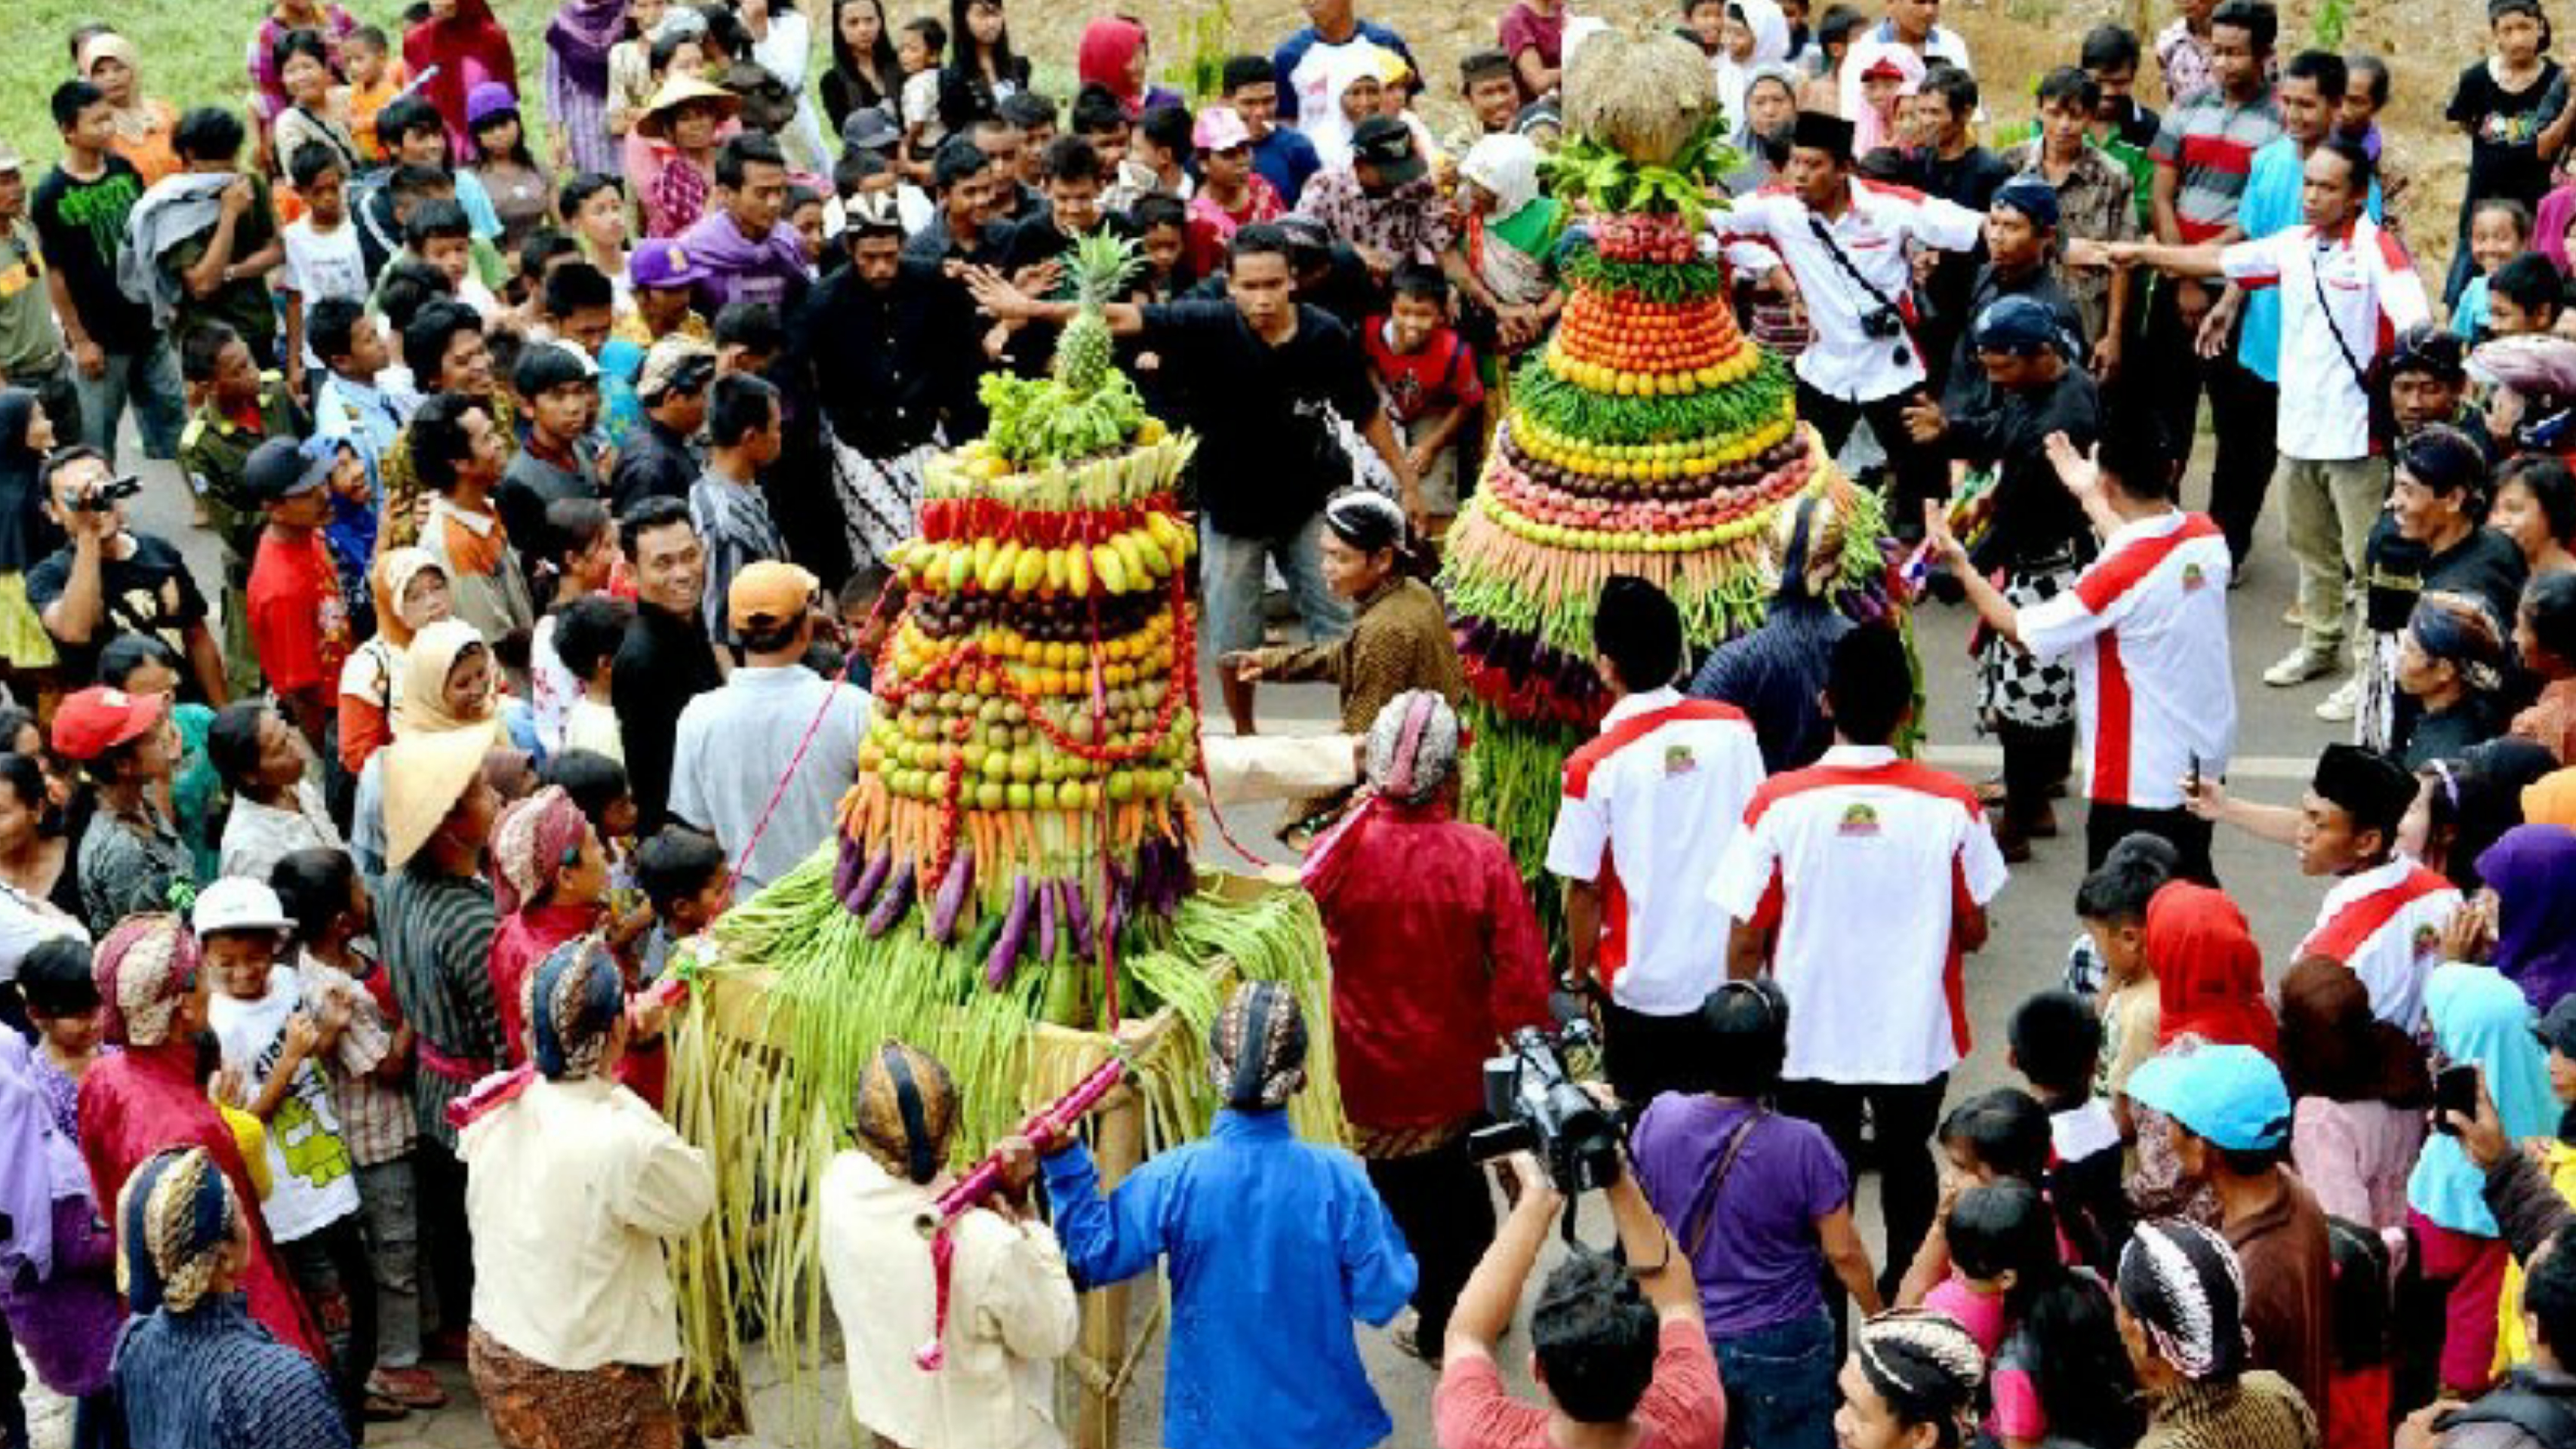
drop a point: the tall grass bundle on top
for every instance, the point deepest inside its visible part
(1643, 98)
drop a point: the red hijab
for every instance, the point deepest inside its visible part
(2209, 972)
(1108, 54)
(467, 48)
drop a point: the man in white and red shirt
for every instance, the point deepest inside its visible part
(1846, 242)
(1863, 881)
(2347, 288)
(2146, 629)
(2385, 914)
(1648, 808)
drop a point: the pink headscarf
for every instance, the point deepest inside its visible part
(144, 968)
(1868, 132)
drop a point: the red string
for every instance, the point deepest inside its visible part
(813, 727)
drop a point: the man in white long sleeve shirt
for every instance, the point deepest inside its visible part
(1846, 241)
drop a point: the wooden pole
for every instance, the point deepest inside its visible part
(1119, 1147)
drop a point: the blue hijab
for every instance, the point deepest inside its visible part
(2480, 1019)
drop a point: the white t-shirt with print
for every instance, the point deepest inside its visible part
(312, 1183)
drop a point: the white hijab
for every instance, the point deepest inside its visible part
(1506, 165)
(1770, 43)
(1331, 130)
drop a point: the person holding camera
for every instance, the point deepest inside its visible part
(1436, 956)
(110, 580)
(1847, 243)
(1618, 1349)
(1275, 1246)
(1763, 1204)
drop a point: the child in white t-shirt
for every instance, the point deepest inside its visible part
(322, 254)
(917, 49)
(273, 1057)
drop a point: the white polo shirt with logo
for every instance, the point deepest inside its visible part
(2146, 628)
(1872, 234)
(2370, 293)
(1864, 864)
(2386, 924)
(1648, 808)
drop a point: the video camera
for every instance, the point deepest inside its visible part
(108, 494)
(1539, 1109)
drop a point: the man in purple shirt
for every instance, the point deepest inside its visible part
(746, 254)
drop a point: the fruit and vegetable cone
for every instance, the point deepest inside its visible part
(1650, 437)
(1014, 858)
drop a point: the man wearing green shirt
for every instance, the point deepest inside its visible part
(222, 273)
(240, 408)
(31, 349)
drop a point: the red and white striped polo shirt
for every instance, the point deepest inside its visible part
(2386, 924)
(1649, 806)
(1864, 864)
(2152, 693)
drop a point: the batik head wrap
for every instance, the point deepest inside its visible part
(1366, 521)
(176, 1219)
(534, 840)
(1257, 1047)
(2184, 1286)
(575, 997)
(1926, 1366)
(905, 1109)
(1413, 746)
(2458, 629)
(145, 967)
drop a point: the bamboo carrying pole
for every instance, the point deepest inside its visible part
(1119, 1147)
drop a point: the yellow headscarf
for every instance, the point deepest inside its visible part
(420, 704)
(394, 574)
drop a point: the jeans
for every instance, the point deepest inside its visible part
(1231, 580)
(1903, 1116)
(147, 380)
(390, 1203)
(1440, 1203)
(1779, 1381)
(2328, 508)
(330, 1268)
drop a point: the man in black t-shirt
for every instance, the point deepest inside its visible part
(1269, 454)
(110, 580)
(666, 660)
(1957, 169)
(117, 355)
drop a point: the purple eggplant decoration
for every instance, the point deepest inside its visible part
(891, 906)
(1046, 920)
(1006, 948)
(871, 881)
(951, 901)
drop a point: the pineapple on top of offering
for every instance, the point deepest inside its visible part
(1264, 379)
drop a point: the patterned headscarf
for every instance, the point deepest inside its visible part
(1926, 1366)
(574, 999)
(533, 840)
(1257, 1047)
(175, 1219)
(2457, 628)
(2184, 1286)
(1366, 521)
(145, 967)
(1413, 746)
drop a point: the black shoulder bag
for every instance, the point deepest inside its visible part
(1887, 322)
(2374, 385)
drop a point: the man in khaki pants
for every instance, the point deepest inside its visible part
(2346, 288)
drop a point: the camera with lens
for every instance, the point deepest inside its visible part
(1882, 324)
(1538, 1108)
(108, 494)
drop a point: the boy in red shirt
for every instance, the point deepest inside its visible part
(299, 624)
(1427, 375)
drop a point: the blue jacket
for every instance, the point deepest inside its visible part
(1275, 1246)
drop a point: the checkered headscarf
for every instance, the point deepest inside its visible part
(144, 968)
(574, 999)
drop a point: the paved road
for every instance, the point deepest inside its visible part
(2033, 925)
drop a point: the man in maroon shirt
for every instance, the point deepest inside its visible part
(1436, 957)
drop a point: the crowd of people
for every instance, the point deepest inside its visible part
(552, 404)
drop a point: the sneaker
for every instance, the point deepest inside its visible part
(2340, 706)
(2299, 666)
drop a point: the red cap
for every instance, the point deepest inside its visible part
(98, 719)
